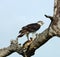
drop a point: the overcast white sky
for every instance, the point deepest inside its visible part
(15, 14)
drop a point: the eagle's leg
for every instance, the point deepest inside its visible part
(27, 36)
(33, 34)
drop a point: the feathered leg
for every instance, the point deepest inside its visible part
(33, 34)
(27, 36)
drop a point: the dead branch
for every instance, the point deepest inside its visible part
(29, 47)
(50, 17)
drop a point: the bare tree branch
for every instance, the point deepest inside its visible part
(50, 17)
(10, 49)
(29, 47)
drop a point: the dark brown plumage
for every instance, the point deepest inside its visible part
(30, 28)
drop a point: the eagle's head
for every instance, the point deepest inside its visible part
(40, 22)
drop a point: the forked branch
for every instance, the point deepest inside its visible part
(29, 47)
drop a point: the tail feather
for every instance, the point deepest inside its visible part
(20, 31)
(20, 35)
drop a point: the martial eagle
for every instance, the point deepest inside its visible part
(30, 28)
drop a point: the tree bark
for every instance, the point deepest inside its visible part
(29, 47)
